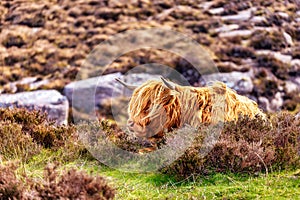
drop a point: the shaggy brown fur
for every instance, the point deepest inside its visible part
(155, 108)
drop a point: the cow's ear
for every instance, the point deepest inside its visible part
(168, 84)
(131, 87)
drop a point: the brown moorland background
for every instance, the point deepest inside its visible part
(50, 39)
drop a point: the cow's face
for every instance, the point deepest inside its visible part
(146, 128)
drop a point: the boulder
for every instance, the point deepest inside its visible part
(49, 101)
(216, 11)
(241, 16)
(258, 19)
(291, 87)
(277, 102)
(239, 81)
(288, 38)
(264, 103)
(236, 33)
(226, 28)
(85, 94)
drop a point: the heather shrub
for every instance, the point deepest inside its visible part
(69, 184)
(10, 186)
(72, 184)
(15, 144)
(24, 133)
(94, 134)
(22, 116)
(37, 126)
(286, 140)
(248, 146)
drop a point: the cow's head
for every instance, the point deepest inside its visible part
(153, 108)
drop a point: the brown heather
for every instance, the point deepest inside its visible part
(10, 186)
(71, 184)
(249, 146)
(37, 126)
(25, 133)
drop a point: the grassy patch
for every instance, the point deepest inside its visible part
(275, 185)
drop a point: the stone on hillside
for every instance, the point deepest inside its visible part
(216, 11)
(295, 63)
(241, 82)
(84, 95)
(237, 33)
(206, 5)
(226, 28)
(258, 19)
(291, 87)
(49, 101)
(288, 38)
(277, 102)
(264, 103)
(244, 15)
(283, 15)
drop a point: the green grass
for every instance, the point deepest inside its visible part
(275, 185)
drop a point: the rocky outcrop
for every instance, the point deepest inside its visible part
(85, 94)
(49, 101)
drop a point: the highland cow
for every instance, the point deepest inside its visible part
(161, 106)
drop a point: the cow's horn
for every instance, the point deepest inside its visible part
(168, 84)
(131, 87)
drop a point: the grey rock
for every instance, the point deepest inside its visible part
(236, 33)
(295, 63)
(244, 15)
(206, 5)
(216, 11)
(288, 38)
(239, 81)
(49, 101)
(283, 15)
(264, 103)
(291, 87)
(258, 19)
(86, 95)
(226, 28)
(263, 28)
(277, 102)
